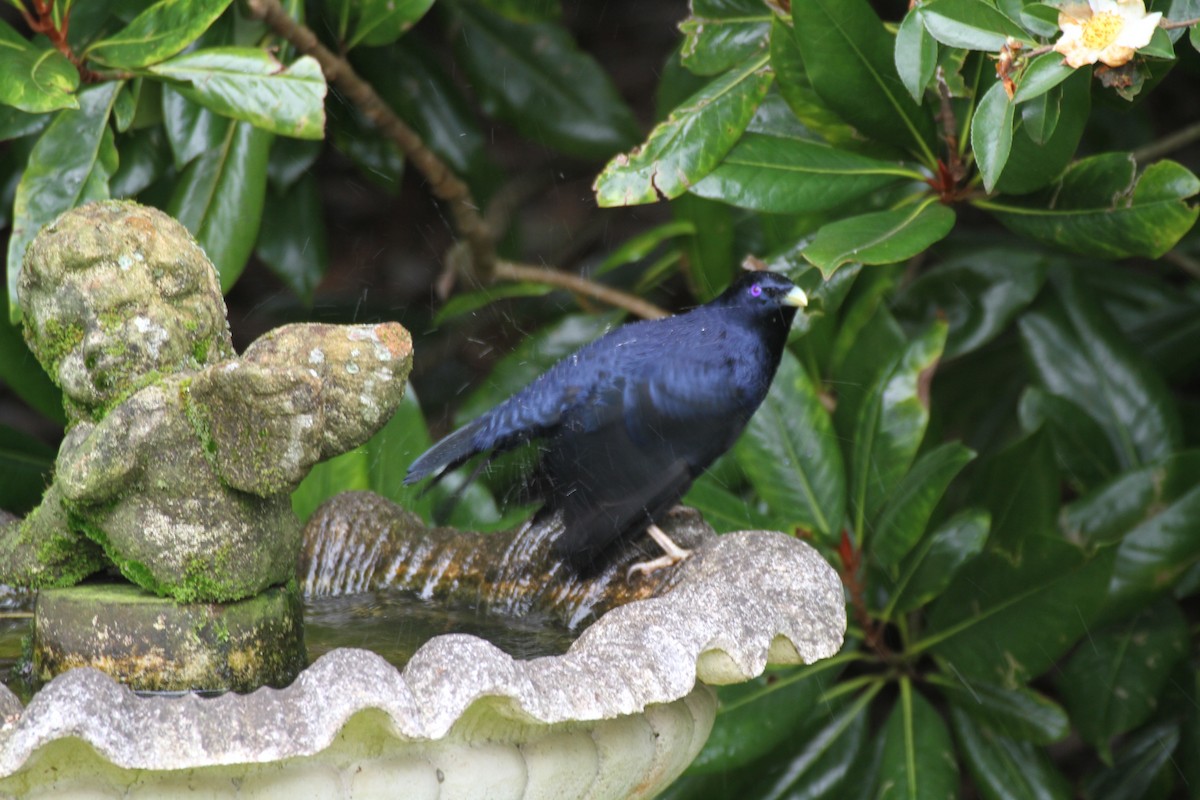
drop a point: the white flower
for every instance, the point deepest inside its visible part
(1104, 30)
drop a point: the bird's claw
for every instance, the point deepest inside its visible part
(672, 554)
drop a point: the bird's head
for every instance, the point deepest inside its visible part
(765, 292)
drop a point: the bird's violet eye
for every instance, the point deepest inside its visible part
(755, 290)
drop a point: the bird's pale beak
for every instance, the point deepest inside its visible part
(796, 297)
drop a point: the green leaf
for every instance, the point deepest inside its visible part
(755, 716)
(1084, 453)
(977, 292)
(1034, 164)
(1017, 713)
(848, 58)
(191, 129)
(791, 455)
(1077, 353)
(1142, 757)
(291, 160)
(916, 54)
(927, 570)
(724, 510)
(16, 124)
(251, 85)
(891, 424)
(382, 22)
(1006, 769)
(906, 513)
(473, 301)
(219, 198)
(1194, 37)
(797, 91)
(991, 133)
(70, 165)
(720, 34)
(158, 33)
(1096, 209)
(710, 262)
(377, 157)
(1018, 486)
(1041, 75)
(1039, 116)
(145, 157)
(795, 176)
(1156, 554)
(1002, 621)
(820, 763)
(689, 143)
(291, 239)
(868, 342)
(412, 81)
(882, 237)
(534, 76)
(1114, 681)
(36, 79)
(1040, 19)
(918, 756)
(642, 245)
(970, 24)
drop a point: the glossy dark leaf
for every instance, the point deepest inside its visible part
(720, 34)
(1018, 486)
(992, 133)
(906, 513)
(382, 22)
(882, 237)
(1142, 757)
(1041, 75)
(710, 263)
(1006, 769)
(415, 85)
(1034, 164)
(724, 510)
(534, 76)
(970, 25)
(916, 55)
(918, 756)
(291, 159)
(27, 464)
(791, 455)
(1084, 454)
(377, 157)
(1017, 713)
(1077, 353)
(1156, 553)
(928, 569)
(22, 373)
(251, 85)
(978, 293)
(145, 156)
(291, 239)
(1113, 682)
(796, 89)
(69, 166)
(795, 176)
(191, 128)
(689, 143)
(755, 716)
(1003, 622)
(36, 79)
(891, 424)
(15, 124)
(1097, 209)
(157, 33)
(219, 198)
(847, 57)
(822, 762)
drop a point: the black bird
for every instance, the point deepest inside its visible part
(627, 422)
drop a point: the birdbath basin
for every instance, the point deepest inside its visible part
(620, 714)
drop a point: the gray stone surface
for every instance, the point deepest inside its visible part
(743, 599)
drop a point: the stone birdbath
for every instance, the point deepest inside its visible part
(174, 475)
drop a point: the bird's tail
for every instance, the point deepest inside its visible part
(446, 455)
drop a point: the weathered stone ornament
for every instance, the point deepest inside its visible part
(179, 456)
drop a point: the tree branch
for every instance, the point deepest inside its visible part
(445, 185)
(614, 297)
(1168, 144)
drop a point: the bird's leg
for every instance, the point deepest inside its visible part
(672, 554)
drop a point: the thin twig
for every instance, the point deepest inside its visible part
(1168, 144)
(444, 184)
(1167, 24)
(597, 291)
(1185, 262)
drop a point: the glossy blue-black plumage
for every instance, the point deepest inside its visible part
(627, 422)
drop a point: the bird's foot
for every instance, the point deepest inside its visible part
(672, 554)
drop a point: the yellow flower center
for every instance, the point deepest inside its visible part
(1102, 30)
